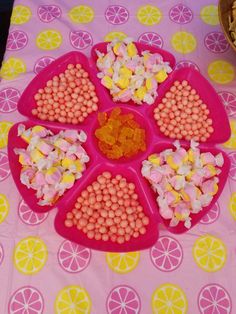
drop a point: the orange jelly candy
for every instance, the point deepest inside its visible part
(119, 135)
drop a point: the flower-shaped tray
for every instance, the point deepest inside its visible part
(129, 168)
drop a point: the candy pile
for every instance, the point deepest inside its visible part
(183, 115)
(119, 134)
(67, 98)
(129, 75)
(51, 163)
(185, 180)
(108, 209)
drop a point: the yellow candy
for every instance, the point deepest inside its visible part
(110, 71)
(198, 192)
(181, 217)
(26, 138)
(185, 196)
(35, 155)
(67, 162)
(146, 57)
(149, 83)
(171, 163)
(131, 50)
(107, 82)
(177, 197)
(191, 155)
(68, 178)
(51, 171)
(189, 175)
(141, 92)
(212, 170)
(161, 76)
(124, 71)
(37, 129)
(116, 48)
(154, 159)
(123, 82)
(215, 189)
(168, 187)
(22, 160)
(79, 165)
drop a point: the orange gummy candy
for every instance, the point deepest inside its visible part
(119, 135)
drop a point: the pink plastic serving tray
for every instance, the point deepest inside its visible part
(129, 168)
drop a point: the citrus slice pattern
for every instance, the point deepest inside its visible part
(4, 166)
(213, 298)
(4, 130)
(16, 40)
(229, 101)
(30, 255)
(231, 143)
(232, 171)
(151, 39)
(9, 98)
(73, 300)
(12, 68)
(209, 253)
(123, 300)
(49, 39)
(181, 14)
(20, 14)
(81, 14)
(81, 39)
(232, 205)
(72, 257)
(149, 15)
(112, 35)
(122, 262)
(211, 216)
(221, 72)
(184, 42)
(169, 299)
(1, 253)
(28, 216)
(166, 254)
(4, 207)
(216, 42)
(116, 14)
(26, 300)
(209, 15)
(42, 63)
(48, 13)
(187, 64)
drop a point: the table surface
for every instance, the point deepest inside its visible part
(191, 31)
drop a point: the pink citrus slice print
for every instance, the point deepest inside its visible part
(26, 300)
(151, 39)
(232, 171)
(28, 216)
(187, 64)
(229, 101)
(1, 253)
(42, 63)
(73, 257)
(211, 216)
(48, 13)
(16, 40)
(116, 14)
(181, 14)
(123, 300)
(81, 39)
(166, 254)
(4, 166)
(214, 299)
(9, 98)
(216, 42)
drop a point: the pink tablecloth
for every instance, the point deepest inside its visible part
(199, 266)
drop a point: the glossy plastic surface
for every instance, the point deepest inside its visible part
(129, 168)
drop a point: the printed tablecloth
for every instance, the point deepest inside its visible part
(40, 272)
